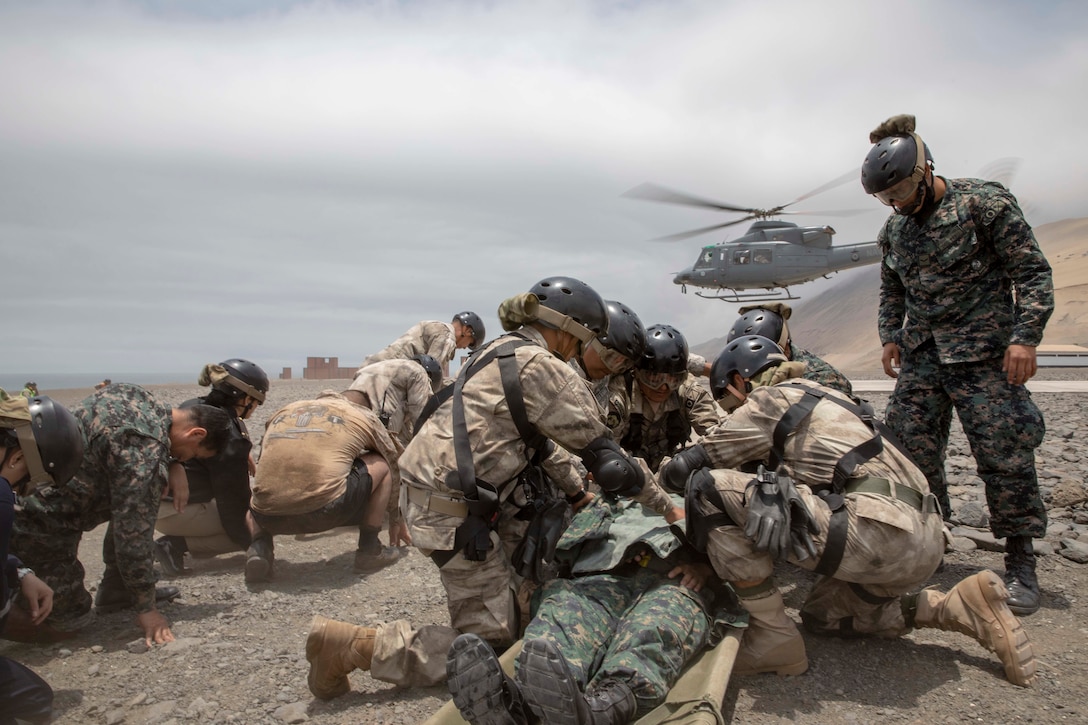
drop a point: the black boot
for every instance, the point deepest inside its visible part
(113, 595)
(482, 692)
(259, 559)
(1023, 585)
(170, 553)
(553, 694)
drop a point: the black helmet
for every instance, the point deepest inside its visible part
(434, 370)
(666, 351)
(759, 321)
(246, 378)
(574, 299)
(749, 355)
(626, 334)
(893, 159)
(51, 440)
(472, 321)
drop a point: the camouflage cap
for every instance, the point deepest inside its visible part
(900, 125)
(518, 310)
(14, 412)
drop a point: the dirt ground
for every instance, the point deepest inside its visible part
(239, 653)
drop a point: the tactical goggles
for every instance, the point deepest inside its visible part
(656, 381)
(615, 362)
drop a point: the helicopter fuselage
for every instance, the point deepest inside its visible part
(775, 254)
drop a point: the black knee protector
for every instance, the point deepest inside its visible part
(613, 470)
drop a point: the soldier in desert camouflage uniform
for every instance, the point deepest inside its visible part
(612, 354)
(769, 320)
(471, 527)
(605, 645)
(658, 405)
(833, 493)
(965, 294)
(130, 442)
(397, 391)
(440, 340)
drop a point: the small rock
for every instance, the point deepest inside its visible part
(115, 717)
(93, 670)
(97, 649)
(983, 539)
(294, 712)
(1080, 517)
(182, 644)
(962, 544)
(64, 652)
(1075, 550)
(1068, 493)
(137, 646)
(1043, 548)
(974, 514)
(139, 699)
(1056, 529)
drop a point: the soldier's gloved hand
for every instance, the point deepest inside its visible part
(768, 522)
(899, 125)
(802, 523)
(674, 474)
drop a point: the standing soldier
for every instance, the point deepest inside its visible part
(473, 473)
(440, 340)
(965, 293)
(130, 442)
(216, 519)
(661, 403)
(769, 320)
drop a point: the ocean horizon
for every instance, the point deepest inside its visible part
(14, 382)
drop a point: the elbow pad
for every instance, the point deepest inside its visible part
(613, 470)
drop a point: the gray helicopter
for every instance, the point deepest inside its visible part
(771, 256)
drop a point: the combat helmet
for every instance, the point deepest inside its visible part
(748, 355)
(666, 351)
(763, 322)
(433, 369)
(626, 334)
(472, 321)
(243, 378)
(571, 306)
(49, 436)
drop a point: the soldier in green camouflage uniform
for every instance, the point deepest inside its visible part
(620, 631)
(965, 294)
(130, 440)
(769, 320)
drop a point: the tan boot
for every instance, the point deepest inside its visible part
(334, 649)
(976, 607)
(771, 643)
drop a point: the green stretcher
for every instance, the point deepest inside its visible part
(695, 698)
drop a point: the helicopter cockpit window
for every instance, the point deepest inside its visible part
(762, 256)
(742, 256)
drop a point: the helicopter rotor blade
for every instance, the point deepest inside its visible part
(836, 212)
(679, 236)
(852, 175)
(653, 192)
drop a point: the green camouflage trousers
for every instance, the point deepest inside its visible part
(1002, 424)
(641, 630)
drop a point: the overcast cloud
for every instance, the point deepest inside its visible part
(182, 182)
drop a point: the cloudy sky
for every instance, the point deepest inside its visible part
(185, 181)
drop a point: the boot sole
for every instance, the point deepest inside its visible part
(1020, 669)
(315, 642)
(257, 570)
(475, 680)
(547, 684)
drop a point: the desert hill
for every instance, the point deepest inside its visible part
(839, 324)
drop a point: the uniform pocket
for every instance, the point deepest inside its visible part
(884, 510)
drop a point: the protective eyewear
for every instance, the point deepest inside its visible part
(899, 194)
(615, 362)
(656, 381)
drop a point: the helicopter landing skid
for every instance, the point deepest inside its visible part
(735, 296)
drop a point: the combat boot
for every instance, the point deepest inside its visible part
(553, 695)
(1024, 595)
(113, 595)
(334, 649)
(482, 692)
(260, 559)
(976, 607)
(170, 553)
(370, 562)
(18, 627)
(771, 643)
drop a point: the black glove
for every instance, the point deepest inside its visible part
(778, 520)
(675, 473)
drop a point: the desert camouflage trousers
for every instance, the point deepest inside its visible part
(486, 598)
(199, 524)
(1001, 422)
(641, 630)
(891, 549)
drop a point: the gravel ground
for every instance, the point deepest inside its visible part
(239, 653)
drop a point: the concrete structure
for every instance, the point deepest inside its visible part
(326, 368)
(1062, 356)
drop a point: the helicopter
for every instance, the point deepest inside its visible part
(771, 256)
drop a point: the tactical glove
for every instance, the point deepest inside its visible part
(778, 521)
(675, 473)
